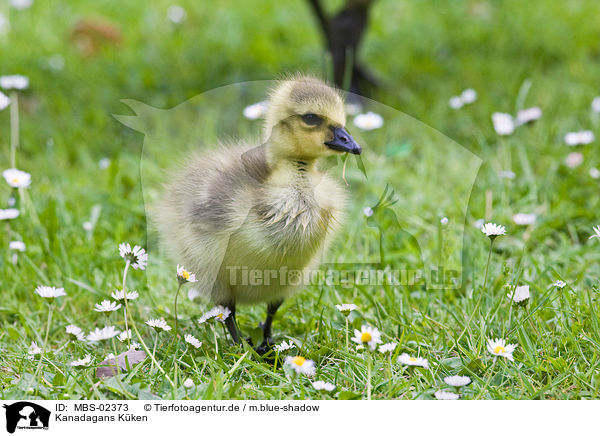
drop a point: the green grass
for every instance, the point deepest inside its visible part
(424, 52)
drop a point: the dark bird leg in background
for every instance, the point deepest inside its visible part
(231, 323)
(266, 326)
(343, 34)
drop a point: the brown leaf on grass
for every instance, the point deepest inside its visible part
(108, 367)
(91, 35)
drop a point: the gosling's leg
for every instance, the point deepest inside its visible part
(266, 326)
(231, 323)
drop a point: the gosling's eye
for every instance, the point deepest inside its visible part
(312, 119)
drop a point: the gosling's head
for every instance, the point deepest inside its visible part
(305, 120)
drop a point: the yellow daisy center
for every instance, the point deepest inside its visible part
(185, 275)
(219, 316)
(365, 337)
(15, 180)
(412, 359)
(299, 360)
(499, 349)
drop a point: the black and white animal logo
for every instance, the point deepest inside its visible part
(26, 415)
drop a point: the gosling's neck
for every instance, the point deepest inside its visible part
(286, 170)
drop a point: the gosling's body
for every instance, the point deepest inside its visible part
(242, 217)
(234, 212)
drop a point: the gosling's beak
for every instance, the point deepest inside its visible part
(342, 141)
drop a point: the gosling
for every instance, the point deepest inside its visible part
(261, 210)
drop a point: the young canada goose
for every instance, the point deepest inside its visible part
(242, 217)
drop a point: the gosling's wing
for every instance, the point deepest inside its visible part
(223, 191)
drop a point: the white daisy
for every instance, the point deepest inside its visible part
(520, 294)
(256, 110)
(101, 334)
(301, 365)
(21, 4)
(528, 115)
(158, 325)
(346, 308)
(367, 335)
(17, 178)
(492, 230)
(104, 163)
(573, 160)
(4, 101)
(50, 291)
(405, 359)
(559, 284)
(82, 362)
(193, 341)
(596, 104)
(498, 347)
(188, 383)
(444, 221)
(136, 256)
(596, 231)
(184, 276)
(125, 335)
(442, 395)
(457, 380)
(579, 138)
(15, 81)
(594, 173)
(284, 346)
(221, 313)
(107, 306)
(176, 14)
(119, 295)
(455, 102)
(17, 245)
(33, 350)
(368, 121)
(367, 211)
(503, 123)
(9, 214)
(507, 174)
(387, 348)
(524, 219)
(75, 332)
(323, 386)
(468, 96)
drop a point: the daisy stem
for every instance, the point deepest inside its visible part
(175, 308)
(118, 370)
(125, 307)
(347, 350)
(145, 347)
(44, 347)
(216, 343)
(62, 347)
(154, 351)
(14, 127)
(134, 327)
(488, 264)
(369, 377)
(488, 380)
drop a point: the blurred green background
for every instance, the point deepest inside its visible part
(83, 57)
